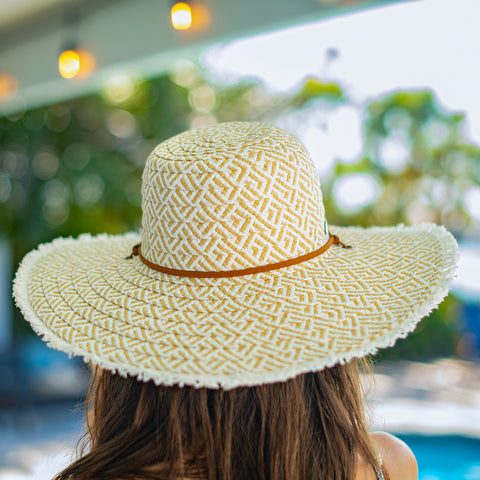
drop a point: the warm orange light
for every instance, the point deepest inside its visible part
(69, 64)
(73, 63)
(200, 16)
(87, 62)
(8, 86)
(181, 14)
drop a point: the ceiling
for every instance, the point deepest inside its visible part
(128, 35)
(14, 12)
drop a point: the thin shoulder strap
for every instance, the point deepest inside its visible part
(380, 469)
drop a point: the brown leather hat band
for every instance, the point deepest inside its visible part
(333, 240)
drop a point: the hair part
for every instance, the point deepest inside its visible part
(309, 427)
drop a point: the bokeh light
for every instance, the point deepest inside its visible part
(14, 163)
(397, 119)
(345, 132)
(45, 164)
(88, 190)
(181, 15)
(57, 118)
(394, 152)
(119, 88)
(355, 191)
(257, 96)
(185, 73)
(435, 133)
(122, 124)
(69, 64)
(8, 86)
(76, 62)
(55, 196)
(202, 99)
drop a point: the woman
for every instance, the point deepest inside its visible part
(225, 342)
(312, 426)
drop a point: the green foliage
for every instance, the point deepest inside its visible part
(76, 167)
(314, 88)
(430, 183)
(419, 105)
(435, 336)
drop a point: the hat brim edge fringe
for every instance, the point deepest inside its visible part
(227, 382)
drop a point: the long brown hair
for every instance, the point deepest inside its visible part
(310, 427)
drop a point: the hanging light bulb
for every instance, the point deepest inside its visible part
(181, 15)
(74, 62)
(69, 63)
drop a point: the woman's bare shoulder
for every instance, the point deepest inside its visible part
(397, 456)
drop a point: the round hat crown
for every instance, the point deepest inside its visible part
(229, 197)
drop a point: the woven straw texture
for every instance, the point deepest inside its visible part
(230, 197)
(222, 198)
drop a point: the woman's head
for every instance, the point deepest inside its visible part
(311, 426)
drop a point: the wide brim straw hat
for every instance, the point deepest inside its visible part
(238, 280)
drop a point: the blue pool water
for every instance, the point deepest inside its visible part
(445, 457)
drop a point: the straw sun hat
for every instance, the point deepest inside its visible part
(238, 279)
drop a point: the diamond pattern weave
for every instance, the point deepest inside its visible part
(229, 197)
(225, 198)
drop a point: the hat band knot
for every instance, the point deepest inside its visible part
(333, 240)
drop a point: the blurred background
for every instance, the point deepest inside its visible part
(383, 93)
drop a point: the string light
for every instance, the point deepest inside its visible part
(75, 62)
(181, 15)
(69, 63)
